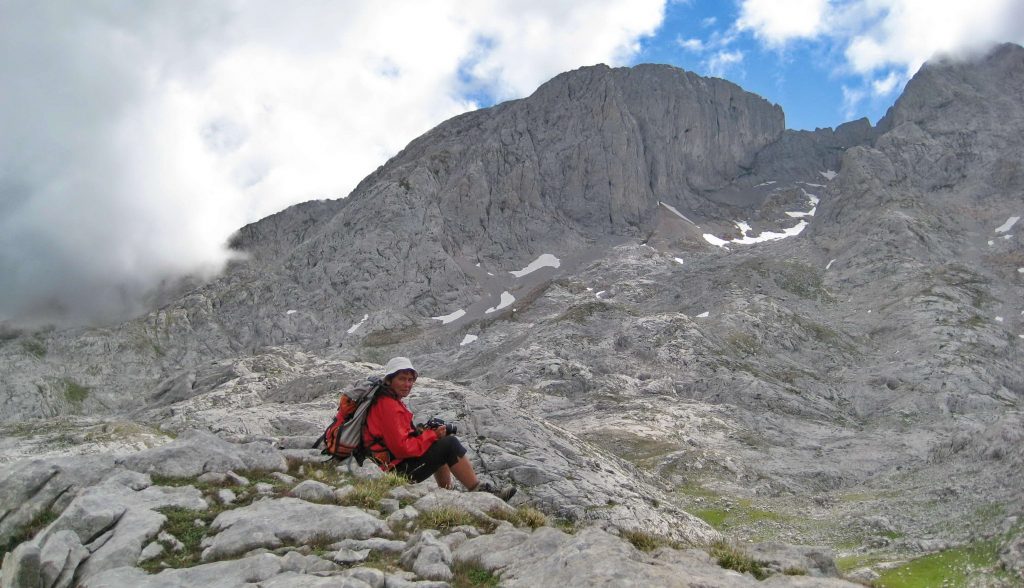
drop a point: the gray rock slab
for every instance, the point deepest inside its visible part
(196, 452)
(224, 574)
(814, 561)
(22, 567)
(271, 523)
(314, 491)
(592, 557)
(30, 487)
(477, 503)
(60, 557)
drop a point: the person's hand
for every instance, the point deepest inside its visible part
(441, 431)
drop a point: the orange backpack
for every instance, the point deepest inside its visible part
(343, 438)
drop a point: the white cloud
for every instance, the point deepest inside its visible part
(136, 138)
(852, 97)
(695, 45)
(886, 85)
(886, 41)
(722, 61)
(778, 22)
(907, 33)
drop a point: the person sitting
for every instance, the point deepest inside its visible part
(396, 444)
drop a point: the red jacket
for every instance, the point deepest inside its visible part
(390, 434)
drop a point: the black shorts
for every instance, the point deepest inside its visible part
(445, 451)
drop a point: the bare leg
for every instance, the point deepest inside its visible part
(463, 471)
(443, 477)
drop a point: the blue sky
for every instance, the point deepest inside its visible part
(136, 137)
(805, 77)
(824, 62)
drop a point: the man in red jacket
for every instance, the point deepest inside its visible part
(397, 445)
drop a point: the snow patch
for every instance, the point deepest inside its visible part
(830, 262)
(715, 241)
(506, 299)
(468, 339)
(450, 317)
(680, 261)
(1020, 270)
(768, 183)
(353, 328)
(829, 174)
(704, 314)
(545, 260)
(999, 319)
(291, 312)
(991, 243)
(1008, 224)
(745, 228)
(599, 293)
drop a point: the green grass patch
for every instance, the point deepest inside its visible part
(370, 491)
(471, 574)
(74, 392)
(181, 522)
(712, 516)
(38, 523)
(949, 568)
(732, 558)
(740, 514)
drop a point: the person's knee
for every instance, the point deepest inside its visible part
(453, 449)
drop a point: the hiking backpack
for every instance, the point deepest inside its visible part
(343, 438)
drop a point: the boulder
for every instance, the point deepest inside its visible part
(271, 523)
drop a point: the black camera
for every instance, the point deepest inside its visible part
(449, 428)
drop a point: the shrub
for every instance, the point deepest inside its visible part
(732, 558)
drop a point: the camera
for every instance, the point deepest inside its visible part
(449, 428)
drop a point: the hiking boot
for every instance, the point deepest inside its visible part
(503, 493)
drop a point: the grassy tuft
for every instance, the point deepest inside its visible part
(448, 517)
(524, 516)
(38, 523)
(370, 491)
(470, 574)
(648, 541)
(34, 347)
(732, 558)
(75, 392)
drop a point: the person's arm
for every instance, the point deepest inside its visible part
(397, 431)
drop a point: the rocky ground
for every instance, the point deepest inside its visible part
(199, 510)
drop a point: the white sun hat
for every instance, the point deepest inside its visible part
(397, 364)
